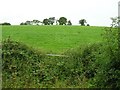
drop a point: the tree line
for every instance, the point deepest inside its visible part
(5, 23)
(51, 21)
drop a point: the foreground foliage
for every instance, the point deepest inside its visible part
(19, 63)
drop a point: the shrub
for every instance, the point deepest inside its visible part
(19, 63)
(108, 73)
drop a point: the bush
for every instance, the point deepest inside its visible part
(19, 63)
(108, 61)
(88, 24)
(108, 73)
(99, 63)
(23, 23)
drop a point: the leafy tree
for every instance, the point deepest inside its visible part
(36, 22)
(46, 22)
(82, 22)
(51, 20)
(28, 22)
(115, 21)
(62, 21)
(69, 23)
(5, 23)
(23, 23)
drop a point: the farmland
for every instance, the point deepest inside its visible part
(53, 39)
(87, 59)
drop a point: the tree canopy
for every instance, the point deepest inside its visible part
(51, 20)
(46, 21)
(5, 23)
(82, 22)
(62, 21)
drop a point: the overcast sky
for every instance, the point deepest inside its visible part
(96, 12)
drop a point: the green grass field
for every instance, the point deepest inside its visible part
(54, 39)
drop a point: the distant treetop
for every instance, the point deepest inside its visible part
(5, 23)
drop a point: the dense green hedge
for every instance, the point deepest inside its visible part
(19, 63)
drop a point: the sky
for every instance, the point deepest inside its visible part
(96, 12)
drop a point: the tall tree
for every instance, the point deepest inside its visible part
(51, 20)
(62, 21)
(82, 22)
(46, 22)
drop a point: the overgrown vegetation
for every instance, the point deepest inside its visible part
(96, 65)
(19, 64)
(108, 74)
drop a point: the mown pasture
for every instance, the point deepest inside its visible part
(54, 39)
